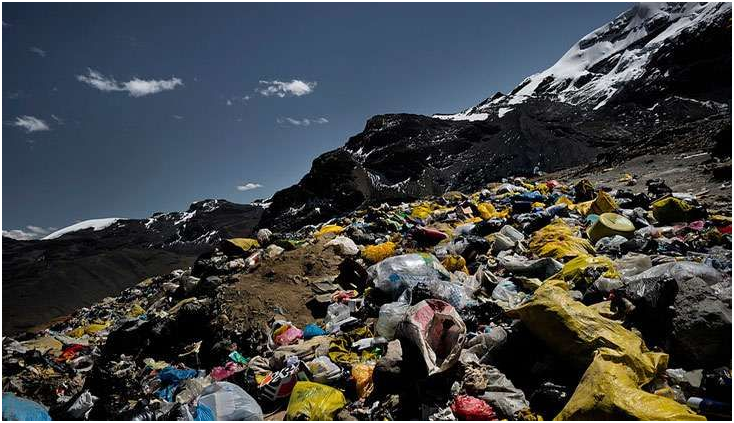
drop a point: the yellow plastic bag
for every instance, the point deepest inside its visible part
(136, 310)
(44, 344)
(362, 374)
(542, 188)
(340, 353)
(96, 327)
(564, 200)
(557, 240)
(610, 391)
(422, 210)
(236, 246)
(329, 229)
(671, 210)
(89, 329)
(576, 331)
(617, 361)
(583, 270)
(455, 262)
(314, 401)
(487, 211)
(379, 252)
(603, 203)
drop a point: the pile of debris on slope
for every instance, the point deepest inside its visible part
(523, 301)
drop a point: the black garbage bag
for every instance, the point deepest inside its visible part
(486, 227)
(656, 188)
(471, 246)
(717, 384)
(531, 222)
(646, 305)
(477, 314)
(583, 191)
(549, 399)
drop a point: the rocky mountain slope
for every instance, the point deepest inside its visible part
(655, 72)
(657, 77)
(45, 279)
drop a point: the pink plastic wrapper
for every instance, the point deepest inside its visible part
(221, 373)
(289, 336)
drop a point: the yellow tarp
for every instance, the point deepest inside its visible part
(557, 240)
(314, 401)
(618, 362)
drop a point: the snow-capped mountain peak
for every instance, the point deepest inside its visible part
(599, 65)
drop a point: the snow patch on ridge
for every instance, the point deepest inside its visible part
(96, 224)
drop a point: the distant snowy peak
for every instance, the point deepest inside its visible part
(95, 224)
(601, 63)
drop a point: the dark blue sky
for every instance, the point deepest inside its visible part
(119, 153)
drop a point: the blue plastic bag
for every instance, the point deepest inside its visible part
(171, 377)
(311, 330)
(21, 409)
(204, 414)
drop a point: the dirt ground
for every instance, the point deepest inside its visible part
(688, 172)
(280, 287)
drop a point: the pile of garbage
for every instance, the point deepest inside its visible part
(524, 301)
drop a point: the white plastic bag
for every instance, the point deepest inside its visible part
(324, 370)
(391, 314)
(343, 246)
(436, 329)
(230, 402)
(395, 274)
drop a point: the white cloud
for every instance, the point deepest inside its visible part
(281, 89)
(57, 119)
(38, 230)
(237, 99)
(248, 186)
(37, 51)
(30, 123)
(28, 233)
(136, 87)
(302, 122)
(177, 117)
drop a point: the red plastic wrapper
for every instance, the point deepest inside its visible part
(466, 407)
